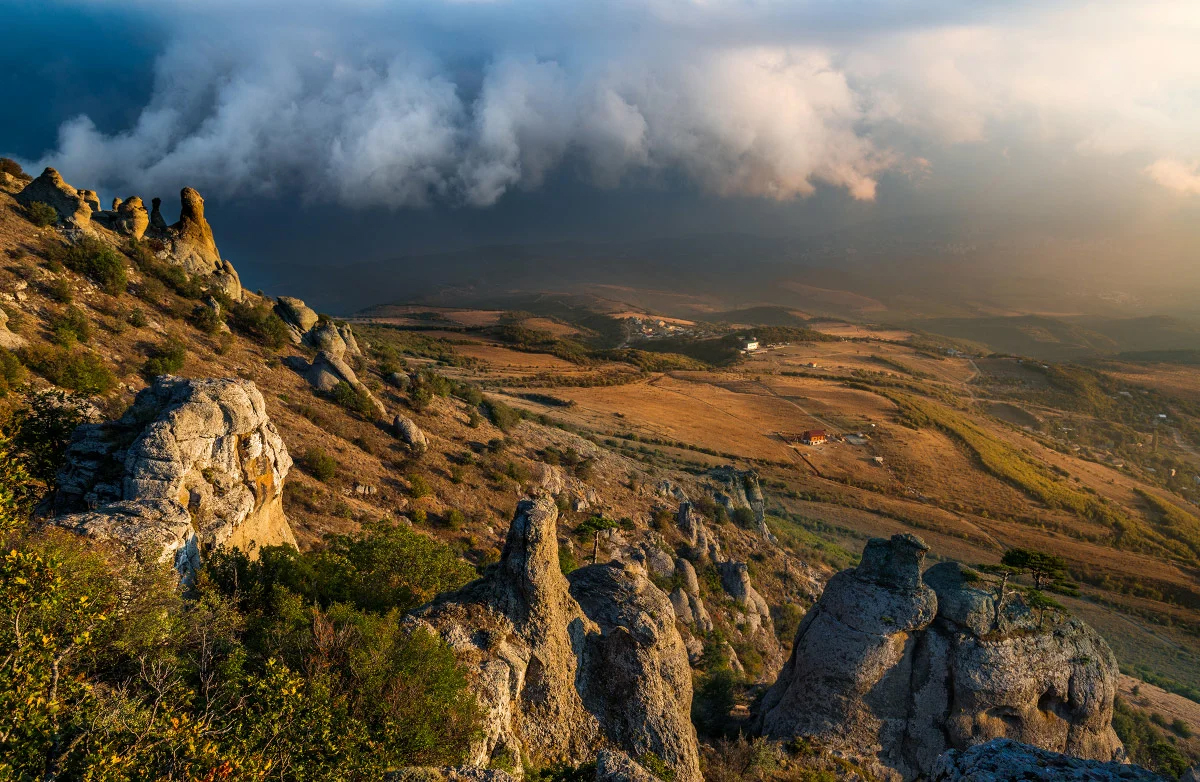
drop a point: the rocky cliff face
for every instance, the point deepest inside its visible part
(192, 465)
(570, 666)
(898, 668)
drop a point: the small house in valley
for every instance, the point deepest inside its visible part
(814, 437)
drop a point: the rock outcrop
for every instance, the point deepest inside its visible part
(569, 667)
(739, 489)
(410, 434)
(192, 465)
(73, 206)
(689, 607)
(193, 245)
(327, 370)
(1005, 760)
(9, 340)
(898, 669)
(131, 217)
(298, 316)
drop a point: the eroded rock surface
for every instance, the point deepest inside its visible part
(73, 206)
(192, 465)
(569, 667)
(410, 434)
(898, 668)
(9, 340)
(1005, 760)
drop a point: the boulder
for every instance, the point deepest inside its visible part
(327, 371)
(1005, 760)
(297, 315)
(619, 767)
(897, 669)
(410, 434)
(326, 336)
(569, 667)
(9, 340)
(50, 188)
(192, 465)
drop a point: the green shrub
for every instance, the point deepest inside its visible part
(455, 519)
(206, 319)
(713, 702)
(418, 487)
(11, 167)
(70, 326)
(41, 430)
(259, 322)
(59, 289)
(137, 318)
(503, 416)
(41, 214)
(319, 464)
(95, 259)
(167, 359)
(81, 371)
(356, 400)
(12, 372)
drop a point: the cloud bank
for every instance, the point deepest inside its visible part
(415, 102)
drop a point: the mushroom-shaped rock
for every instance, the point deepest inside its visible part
(567, 668)
(409, 433)
(50, 188)
(202, 452)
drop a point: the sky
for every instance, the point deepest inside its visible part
(328, 131)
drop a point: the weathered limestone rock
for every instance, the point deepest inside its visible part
(91, 198)
(298, 316)
(410, 434)
(698, 536)
(735, 578)
(1005, 760)
(327, 337)
(131, 217)
(327, 370)
(192, 465)
(619, 767)
(686, 601)
(193, 245)
(566, 668)
(50, 188)
(9, 340)
(740, 489)
(897, 669)
(347, 335)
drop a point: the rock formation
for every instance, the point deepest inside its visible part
(193, 245)
(131, 217)
(410, 434)
(739, 489)
(9, 340)
(192, 465)
(298, 316)
(689, 608)
(899, 668)
(73, 206)
(569, 667)
(755, 613)
(1005, 760)
(328, 370)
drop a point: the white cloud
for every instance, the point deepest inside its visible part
(404, 103)
(1176, 175)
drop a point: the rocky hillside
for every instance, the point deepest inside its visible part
(219, 420)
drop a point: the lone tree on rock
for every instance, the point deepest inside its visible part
(1046, 569)
(595, 525)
